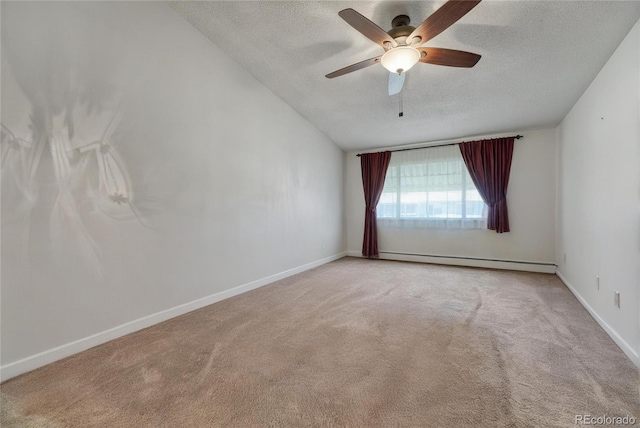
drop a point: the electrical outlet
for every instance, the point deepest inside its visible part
(598, 281)
(616, 299)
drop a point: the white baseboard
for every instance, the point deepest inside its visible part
(626, 348)
(466, 261)
(32, 362)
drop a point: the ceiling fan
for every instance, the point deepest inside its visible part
(401, 43)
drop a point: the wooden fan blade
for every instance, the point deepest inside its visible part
(442, 19)
(354, 67)
(367, 27)
(450, 57)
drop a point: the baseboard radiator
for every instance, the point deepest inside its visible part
(520, 265)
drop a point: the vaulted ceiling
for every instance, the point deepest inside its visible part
(538, 57)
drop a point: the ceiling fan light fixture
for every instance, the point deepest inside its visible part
(400, 59)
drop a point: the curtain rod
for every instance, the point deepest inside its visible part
(517, 137)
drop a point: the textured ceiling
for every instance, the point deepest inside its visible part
(538, 57)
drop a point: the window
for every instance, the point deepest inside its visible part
(430, 187)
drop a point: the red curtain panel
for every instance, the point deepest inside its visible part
(489, 164)
(374, 169)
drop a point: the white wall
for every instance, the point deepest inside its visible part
(531, 200)
(237, 188)
(599, 195)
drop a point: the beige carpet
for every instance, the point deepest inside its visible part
(354, 343)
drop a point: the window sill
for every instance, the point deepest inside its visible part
(457, 224)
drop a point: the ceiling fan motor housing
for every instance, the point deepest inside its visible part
(401, 27)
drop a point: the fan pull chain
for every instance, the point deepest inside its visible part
(400, 106)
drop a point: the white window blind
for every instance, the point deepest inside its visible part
(430, 188)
